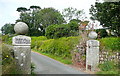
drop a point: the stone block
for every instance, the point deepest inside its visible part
(93, 43)
(23, 58)
(22, 52)
(21, 40)
(92, 54)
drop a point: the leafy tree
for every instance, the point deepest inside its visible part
(62, 30)
(73, 25)
(50, 16)
(8, 29)
(21, 9)
(38, 19)
(102, 33)
(75, 20)
(72, 13)
(57, 31)
(29, 17)
(35, 7)
(108, 14)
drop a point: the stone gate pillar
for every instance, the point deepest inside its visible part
(92, 52)
(22, 50)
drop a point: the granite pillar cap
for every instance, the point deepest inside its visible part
(92, 35)
(21, 28)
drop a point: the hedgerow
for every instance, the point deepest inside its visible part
(59, 47)
(110, 43)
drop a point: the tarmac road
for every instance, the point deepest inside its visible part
(46, 65)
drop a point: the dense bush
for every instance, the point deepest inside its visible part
(6, 54)
(73, 25)
(59, 47)
(63, 30)
(110, 43)
(8, 62)
(74, 30)
(57, 31)
(36, 41)
(7, 39)
(102, 33)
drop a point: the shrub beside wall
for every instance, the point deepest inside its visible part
(110, 43)
(62, 30)
(8, 62)
(109, 55)
(109, 49)
(7, 39)
(36, 41)
(102, 33)
(59, 47)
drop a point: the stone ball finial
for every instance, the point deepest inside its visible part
(92, 35)
(21, 28)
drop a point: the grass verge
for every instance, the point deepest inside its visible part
(60, 59)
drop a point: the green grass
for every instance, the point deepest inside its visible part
(60, 59)
(109, 67)
(111, 45)
(108, 72)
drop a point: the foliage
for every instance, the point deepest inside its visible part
(102, 33)
(63, 30)
(35, 7)
(75, 20)
(32, 68)
(73, 25)
(38, 19)
(8, 29)
(108, 15)
(7, 39)
(21, 9)
(8, 61)
(37, 41)
(110, 43)
(72, 13)
(57, 31)
(59, 47)
(0, 34)
(105, 73)
(74, 30)
(50, 16)
(108, 68)
(6, 54)
(30, 18)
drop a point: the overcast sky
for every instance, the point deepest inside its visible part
(8, 13)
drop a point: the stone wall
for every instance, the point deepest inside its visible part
(108, 56)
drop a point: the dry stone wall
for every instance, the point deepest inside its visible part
(108, 56)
